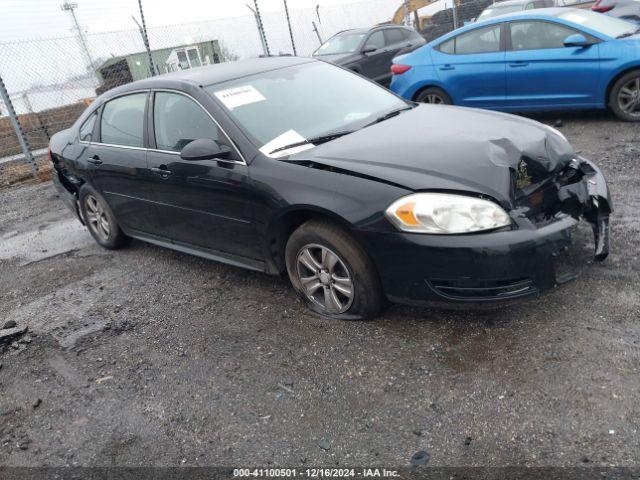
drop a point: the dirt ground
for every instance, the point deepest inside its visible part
(146, 356)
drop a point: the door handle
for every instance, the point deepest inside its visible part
(95, 160)
(163, 171)
(518, 64)
(447, 67)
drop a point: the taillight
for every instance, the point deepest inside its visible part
(597, 7)
(398, 69)
(49, 156)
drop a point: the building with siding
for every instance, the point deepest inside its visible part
(135, 66)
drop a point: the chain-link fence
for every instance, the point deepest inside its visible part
(51, 81)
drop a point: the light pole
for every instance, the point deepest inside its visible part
(71, 7)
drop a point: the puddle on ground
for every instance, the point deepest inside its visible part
(44, 242)
(71, 312)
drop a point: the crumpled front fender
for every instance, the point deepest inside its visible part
(591, 199)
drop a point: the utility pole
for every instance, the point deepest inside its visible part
(145, 39)
(71, 8)
(293, 43)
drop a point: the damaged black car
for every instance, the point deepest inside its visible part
(295, 166)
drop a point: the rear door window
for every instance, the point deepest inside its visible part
(376, 40)
(393, 36)
(122, 120)
(482, 40)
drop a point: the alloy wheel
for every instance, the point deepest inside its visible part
(325, 279)
(433, 98)
(629, 97)
(97, 218)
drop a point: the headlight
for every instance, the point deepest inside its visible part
(443, 213)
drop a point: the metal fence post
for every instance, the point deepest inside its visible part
(145, 39)
(315, 29)
(16, 126)
(293, 43)
(455, 15)
(261, 27)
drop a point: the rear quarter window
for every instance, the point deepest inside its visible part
(448, 47)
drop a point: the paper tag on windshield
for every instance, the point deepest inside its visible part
(287, 138)
(238, 96)
(572, 17)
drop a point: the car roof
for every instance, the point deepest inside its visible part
(541, 13)
(375, 27)
(538, 14)
(216, 73)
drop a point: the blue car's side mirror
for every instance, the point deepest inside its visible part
(576, 40)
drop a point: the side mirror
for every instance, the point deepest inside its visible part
(576, 40)
(367, 50)
(204, 149)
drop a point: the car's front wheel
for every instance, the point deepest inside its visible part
(99, 219)
(332, 273)
(624, 99)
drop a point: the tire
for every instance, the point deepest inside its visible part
(345, 263)
(100, 220)
(626, 89)
(434, 95)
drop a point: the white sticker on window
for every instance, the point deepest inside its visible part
(572, 17)
(287, 138)
(353, 116)
(238, 96)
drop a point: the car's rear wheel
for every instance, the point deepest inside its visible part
(100, 220)
(332, 273)
(624, 99)
(434, 95)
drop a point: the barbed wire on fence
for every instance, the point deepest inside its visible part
(50, 81)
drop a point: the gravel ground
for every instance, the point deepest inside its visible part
(148, 356)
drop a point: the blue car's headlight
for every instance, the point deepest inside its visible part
(443, 213)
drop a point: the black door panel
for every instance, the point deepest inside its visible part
(122, 176)
(203, 203)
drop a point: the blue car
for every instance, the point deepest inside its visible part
(545, 59)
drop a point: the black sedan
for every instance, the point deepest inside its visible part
(296, 165)
(369, 51)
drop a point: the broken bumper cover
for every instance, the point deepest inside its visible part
(494, 266)
(67, 197)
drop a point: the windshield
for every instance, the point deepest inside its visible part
(495, 11)
(610, 26)
(289, 105)
(346, 42)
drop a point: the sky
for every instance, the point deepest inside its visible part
(41, 56)
(29, 19)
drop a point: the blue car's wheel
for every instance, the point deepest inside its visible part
(434, 95)
(625, 97)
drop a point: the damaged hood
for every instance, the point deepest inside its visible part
(436, 147)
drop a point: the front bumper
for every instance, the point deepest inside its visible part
(495, 266)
